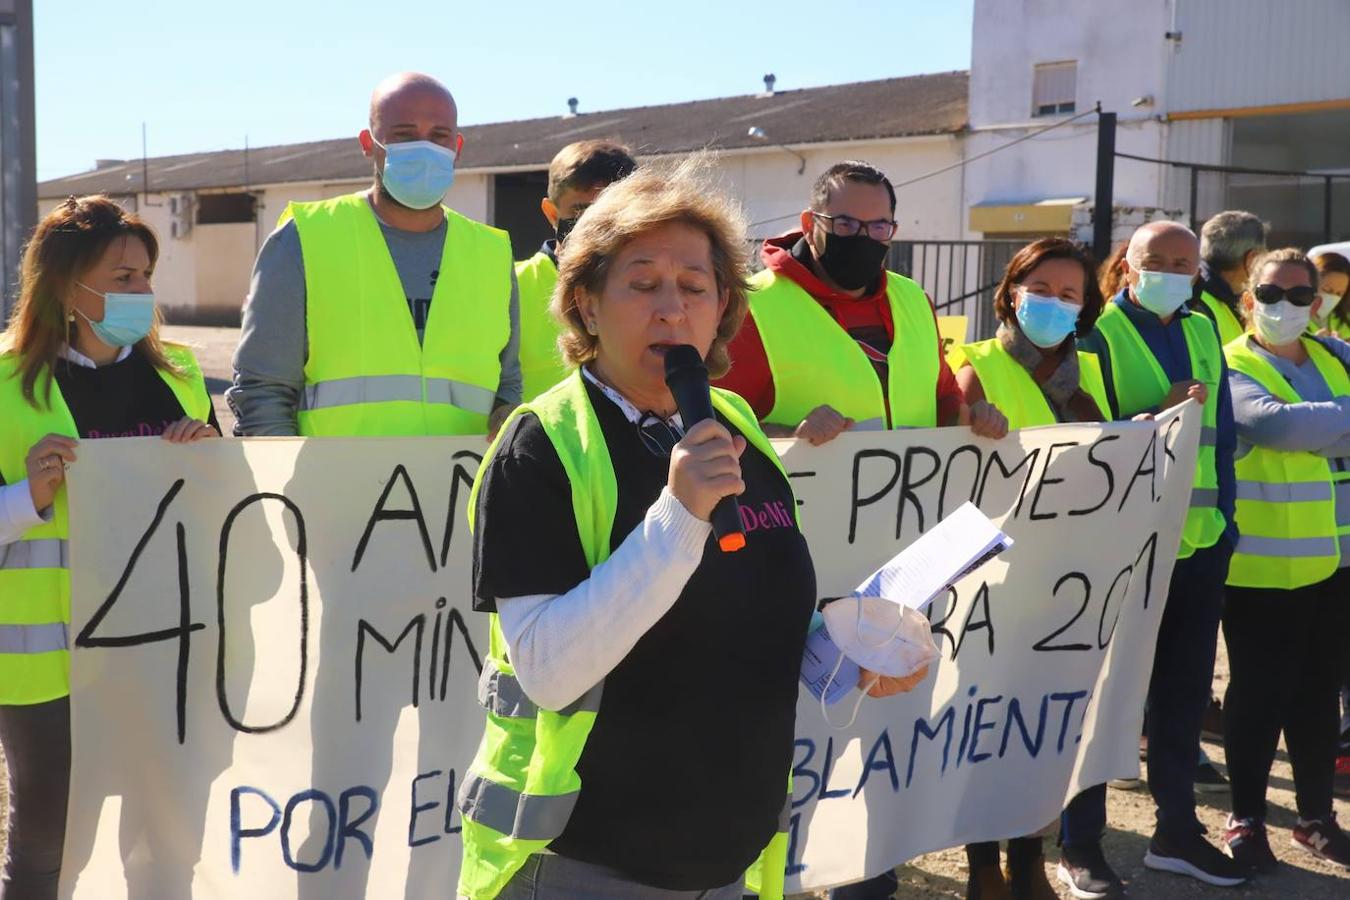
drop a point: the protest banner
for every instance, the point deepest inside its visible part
(275, 654)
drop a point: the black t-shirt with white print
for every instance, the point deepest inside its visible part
(127, 398)
(684, 774)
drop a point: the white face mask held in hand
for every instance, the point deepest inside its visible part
(879, 635)
(881, 626)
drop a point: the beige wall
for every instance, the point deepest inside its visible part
(205, 272)
(224, 261)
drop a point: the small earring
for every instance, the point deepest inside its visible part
(70, 317)
(590, 327)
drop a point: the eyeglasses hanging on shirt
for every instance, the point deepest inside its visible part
(658, 435)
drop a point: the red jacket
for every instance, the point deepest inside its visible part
(750, 375)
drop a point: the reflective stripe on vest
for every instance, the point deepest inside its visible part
(541, 363)
(1290, 548)
(366, 373)
(520, 790)
(33, 638)
(501, 694)
(523, 817)
(1141, 385)
(1008, 385)
(814, 361)
(1287, 512)
(42, 553)
(34, 578)
(393, 388)
(1280, 492)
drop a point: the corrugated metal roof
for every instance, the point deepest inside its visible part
(892, 107)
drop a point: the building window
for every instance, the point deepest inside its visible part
(1054, 88)
(225, 209)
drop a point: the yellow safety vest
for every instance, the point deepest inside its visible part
(1009, 386)
(541, 365)
(1286, 500)
(518, 794)
(34, 573)
(1338, 327)
(1229, 325)
(366, 373)
(1141, 384)
(814, 361)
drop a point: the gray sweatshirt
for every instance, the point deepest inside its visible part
(269, 364)
(1320, 425)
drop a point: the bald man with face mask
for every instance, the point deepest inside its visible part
(1156, 353)
(383, 312)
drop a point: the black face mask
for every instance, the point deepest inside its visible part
(564, 228)
(853, 262)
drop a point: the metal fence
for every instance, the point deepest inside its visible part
(959, 276)
(1301, 207)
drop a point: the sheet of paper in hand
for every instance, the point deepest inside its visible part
(942, 556)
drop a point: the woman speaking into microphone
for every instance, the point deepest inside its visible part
(641, 684)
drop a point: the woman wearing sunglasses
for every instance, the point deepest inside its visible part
(1286, 614)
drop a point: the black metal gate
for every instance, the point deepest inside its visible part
(959, 276)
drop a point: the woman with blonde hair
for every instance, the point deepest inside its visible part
(81, 359)
(641, 684)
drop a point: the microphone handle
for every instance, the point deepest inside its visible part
(726, 524)
(695, 404)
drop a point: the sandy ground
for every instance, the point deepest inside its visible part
(1130, 813)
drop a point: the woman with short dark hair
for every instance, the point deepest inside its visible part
(1033, 372)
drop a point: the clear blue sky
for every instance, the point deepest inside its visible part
(205, 74)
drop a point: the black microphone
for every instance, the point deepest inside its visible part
(687, 378)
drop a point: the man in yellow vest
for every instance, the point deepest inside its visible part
(383, 312)
(576, 176)
(1228, 244)
(833, 341)
(1154, 354)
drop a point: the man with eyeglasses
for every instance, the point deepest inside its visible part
(833, 341)
(1154, 354)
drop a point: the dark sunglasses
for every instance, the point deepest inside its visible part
(1272, 293)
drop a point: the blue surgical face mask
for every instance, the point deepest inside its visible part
(417, 173)
(127, 318)
(1162, 293)
(1046, 321)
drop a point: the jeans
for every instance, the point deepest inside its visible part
(1178, 694)
(36, 740)
(548, 877)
